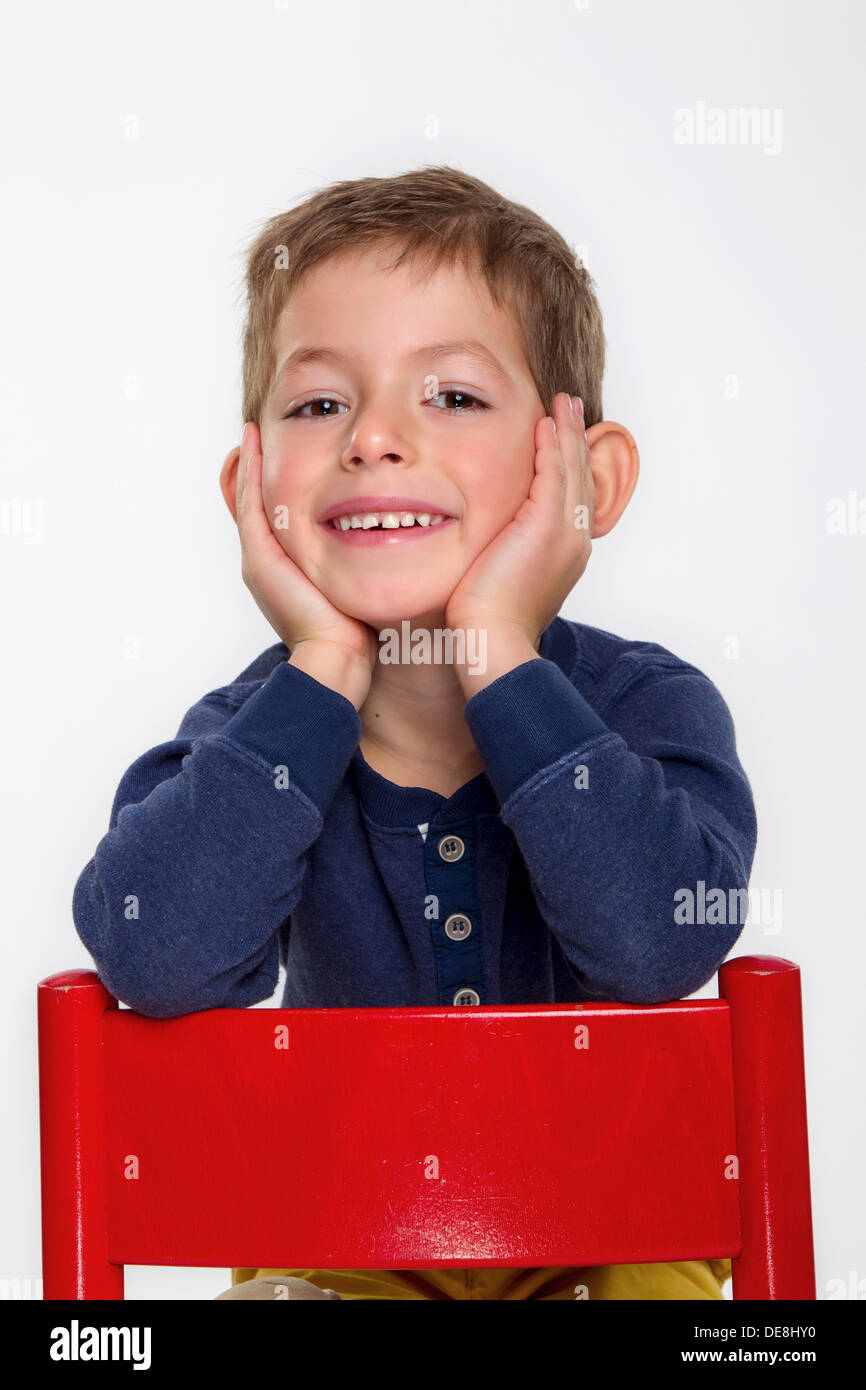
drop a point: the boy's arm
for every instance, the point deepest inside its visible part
(182, 904)
(621, 821)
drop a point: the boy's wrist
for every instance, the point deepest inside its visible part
(346, 672)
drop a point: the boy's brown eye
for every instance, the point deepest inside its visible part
(317, 400)
(461, 396)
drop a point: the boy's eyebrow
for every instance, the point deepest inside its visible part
(462, 347)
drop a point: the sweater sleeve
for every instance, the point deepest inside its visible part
(638, 831)
(185, 903)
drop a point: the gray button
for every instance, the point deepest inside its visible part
(457, 926)
(451, 848)
(467, 996)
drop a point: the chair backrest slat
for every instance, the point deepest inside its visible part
(531, 1135)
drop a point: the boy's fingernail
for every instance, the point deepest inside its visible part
(553, 423)
(570, 408)
(579, 406)
(243, 436)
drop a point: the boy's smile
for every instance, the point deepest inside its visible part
(388, 532)
(378, 520)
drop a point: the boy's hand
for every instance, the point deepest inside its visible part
(295, 608)
(521, 578)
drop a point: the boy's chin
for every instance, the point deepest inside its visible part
(391, 621)
(417, 611)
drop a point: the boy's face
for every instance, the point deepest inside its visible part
(387, 430)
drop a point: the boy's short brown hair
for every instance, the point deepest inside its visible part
(436, 214)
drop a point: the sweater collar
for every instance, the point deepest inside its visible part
(387, 804)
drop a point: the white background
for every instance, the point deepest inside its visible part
(731, 280)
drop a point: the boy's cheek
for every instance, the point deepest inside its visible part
(279, 501)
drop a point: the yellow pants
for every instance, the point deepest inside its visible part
(689, 1279)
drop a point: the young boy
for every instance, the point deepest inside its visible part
(552, 787)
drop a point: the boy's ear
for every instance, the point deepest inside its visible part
(229, 480)
(615, 464)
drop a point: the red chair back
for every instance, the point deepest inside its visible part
(522, 1135)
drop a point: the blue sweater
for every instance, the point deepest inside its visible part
(583, 863)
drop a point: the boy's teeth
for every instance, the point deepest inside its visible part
(387, 520)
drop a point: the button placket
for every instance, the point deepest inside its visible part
(456, 935)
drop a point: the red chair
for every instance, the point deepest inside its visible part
(526, 1135)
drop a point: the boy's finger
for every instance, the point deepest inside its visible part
(546, 434)
(251, 509)
(243, 460)
(573, 453)
(580, 423)
(260, 548)
(250, 445)
(550, 455)
(239, 484)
